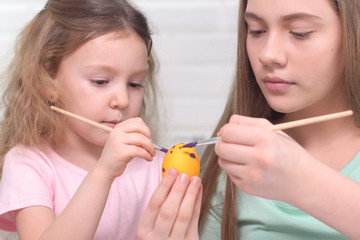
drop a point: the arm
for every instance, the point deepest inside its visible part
(271, 165)
(174, 209)
(79, 219)
(81, 216)
(333, 199)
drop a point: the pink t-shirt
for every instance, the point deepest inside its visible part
(33, 177)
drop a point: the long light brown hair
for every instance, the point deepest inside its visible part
(56, 31)
(246, 98)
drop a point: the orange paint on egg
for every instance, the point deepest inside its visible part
(185, 160)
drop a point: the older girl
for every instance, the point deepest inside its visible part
(296, 59)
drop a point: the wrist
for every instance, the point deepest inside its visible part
(101, 175)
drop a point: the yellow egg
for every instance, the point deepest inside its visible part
(185, 160)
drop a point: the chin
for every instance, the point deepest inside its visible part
(284, 109)
(283, 105)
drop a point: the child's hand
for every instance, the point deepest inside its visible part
(174, 209)
(261, 161)
(128, 139)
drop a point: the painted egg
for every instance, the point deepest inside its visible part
(185, 160)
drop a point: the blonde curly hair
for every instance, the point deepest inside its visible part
(56, 31)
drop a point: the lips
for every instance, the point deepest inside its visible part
(277, 84)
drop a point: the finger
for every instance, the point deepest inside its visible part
(193, 229)
(243, 128)
(235, 170)
(118, 137)
(233, 133)
(239, 162)
(186, 210)
(138, 140)
(134, 125)
(236, 173)
(235, 153)
(245, 179)
(125, 152)
(249, 121)
(151, 212)
(228, 165)
(135, 151)
(169, 210)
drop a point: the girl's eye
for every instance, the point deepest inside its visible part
(301, 35)
(256, 32)
(100, 82)
(135, 85)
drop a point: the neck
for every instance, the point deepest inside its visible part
(80, 153)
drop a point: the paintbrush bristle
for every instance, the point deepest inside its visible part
(190, 145)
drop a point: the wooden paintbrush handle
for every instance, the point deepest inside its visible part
(88, 121)
(312, 120)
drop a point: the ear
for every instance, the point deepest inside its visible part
(52, 93)
(52, 97)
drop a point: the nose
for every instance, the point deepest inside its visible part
(273, 51)
(119, 99)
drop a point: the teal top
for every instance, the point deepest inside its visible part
(260, 218)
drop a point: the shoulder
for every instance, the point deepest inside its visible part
(21, 152)
(27, 180)
(28, 167)
(22, 158)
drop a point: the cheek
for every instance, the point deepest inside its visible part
(325, 54)
(82, 102)
(320, 68)
(70, 93)
(253, 51)
(136, 101)
(87, 104)
(335, 62)
(250, 52)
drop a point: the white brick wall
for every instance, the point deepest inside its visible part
(196, 43)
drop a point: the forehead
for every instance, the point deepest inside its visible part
(275, 9)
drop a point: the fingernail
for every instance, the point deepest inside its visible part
(184, 178)
(195, 180)
(172, 172)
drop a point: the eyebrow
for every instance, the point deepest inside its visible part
(99, 67)
(286, 18)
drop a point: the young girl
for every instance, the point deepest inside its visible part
(65, 179)
(296, 59)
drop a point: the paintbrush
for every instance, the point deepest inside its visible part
(282, 126)
(95, 124)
